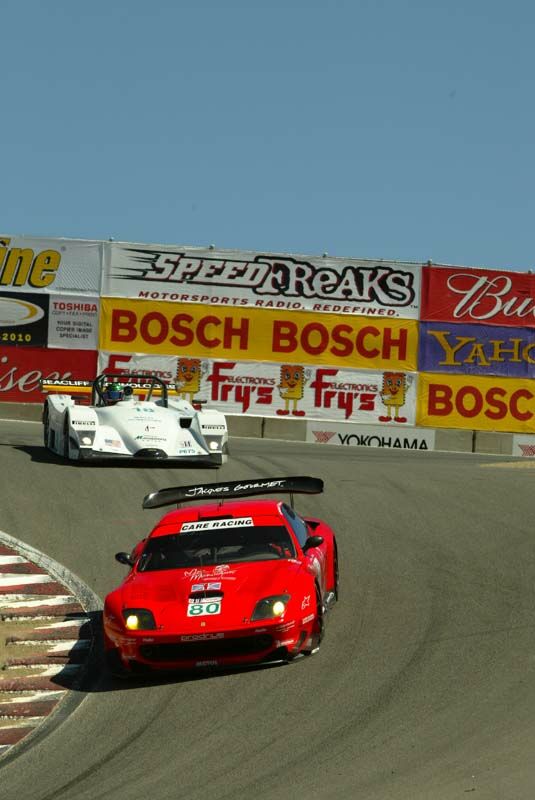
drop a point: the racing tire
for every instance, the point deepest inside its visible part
(319, 627)
(66, 437)
(336, 587)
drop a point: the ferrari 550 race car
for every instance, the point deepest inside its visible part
(225, 584)
(141, 419)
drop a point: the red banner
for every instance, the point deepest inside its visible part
(21, 369)
(491, 297)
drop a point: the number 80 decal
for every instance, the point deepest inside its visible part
(205, 607)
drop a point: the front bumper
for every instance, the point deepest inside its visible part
(151, 650)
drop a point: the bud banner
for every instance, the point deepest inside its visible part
(138, 326)
(244, 278)
(477, 349)
(465, 294)
(492, 404)
(21, 369)
(289, 390)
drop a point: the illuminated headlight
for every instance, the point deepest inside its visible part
(86, 440)
(213, 445)
(138, 619)
(271, 607)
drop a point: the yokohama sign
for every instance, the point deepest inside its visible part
(457, 294)
(21, 369)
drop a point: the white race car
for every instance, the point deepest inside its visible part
(142, 418)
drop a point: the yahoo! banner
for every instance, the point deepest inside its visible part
(476, 349)
(468, 295)
(290, 390)
(242, 278)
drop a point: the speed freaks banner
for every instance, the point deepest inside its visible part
(165, 328)
(71, 266)
(476, 403)
(291, 390)
(476, 349)
(465, 294)
(243, 278)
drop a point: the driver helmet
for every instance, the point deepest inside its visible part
(113, 393)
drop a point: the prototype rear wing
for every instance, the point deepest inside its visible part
(229, 490)
(86, 387)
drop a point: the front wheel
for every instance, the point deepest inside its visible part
(314, 643)
(46, 425)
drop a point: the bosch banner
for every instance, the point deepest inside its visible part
(242, 278)
(139, 326)
(491, 297)
(288, 390)
(476, 403)
(477, 349)
(71, 266)
(21, 369)
(347, 435)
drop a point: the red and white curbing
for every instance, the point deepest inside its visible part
(54, 619)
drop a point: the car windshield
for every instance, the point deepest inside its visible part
(208, 548)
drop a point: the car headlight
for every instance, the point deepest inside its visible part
(271, 607)
(138, 619)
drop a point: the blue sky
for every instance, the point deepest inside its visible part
(397, 129)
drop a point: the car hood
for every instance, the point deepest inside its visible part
(166, 592)
(142, 425)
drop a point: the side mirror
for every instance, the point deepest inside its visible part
(124, 558)
(312, 541)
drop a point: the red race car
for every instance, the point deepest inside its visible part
(227, 583)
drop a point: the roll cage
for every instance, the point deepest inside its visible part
(149, 383)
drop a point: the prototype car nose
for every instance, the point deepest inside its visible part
(150, 452)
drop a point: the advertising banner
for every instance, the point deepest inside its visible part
(141, 326)
(73, 322)
(338, 433)
(23, 319)
(71, 266)
(476, 349)
(21, 369)
(244, 278)
(476, 403)
(466, 294)
(290, 390)
(523, 445)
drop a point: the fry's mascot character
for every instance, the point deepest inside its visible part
(291, 388)
(393, 395)
(188, 377)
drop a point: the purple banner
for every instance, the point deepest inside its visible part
(476, 349)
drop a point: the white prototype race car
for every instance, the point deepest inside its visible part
(132, 417)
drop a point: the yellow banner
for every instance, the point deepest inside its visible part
(476, 403)
(142, 326)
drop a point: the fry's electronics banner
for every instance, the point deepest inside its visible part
(463, 294)
(288, 390)
(477, 349)
(338, 433)
(139, 326)
(21, 369)
(239, 278)
(71, 266)
(458, 401)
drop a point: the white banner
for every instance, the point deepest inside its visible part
(523, 445)
(69, 266)
(347, 435)
(264, 280)
(281, 390)
(73, 321)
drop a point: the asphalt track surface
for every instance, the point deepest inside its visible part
(424, 688)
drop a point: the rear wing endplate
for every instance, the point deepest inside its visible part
(229, 490)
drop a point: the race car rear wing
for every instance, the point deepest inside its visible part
(229, 490)
(86, 387)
